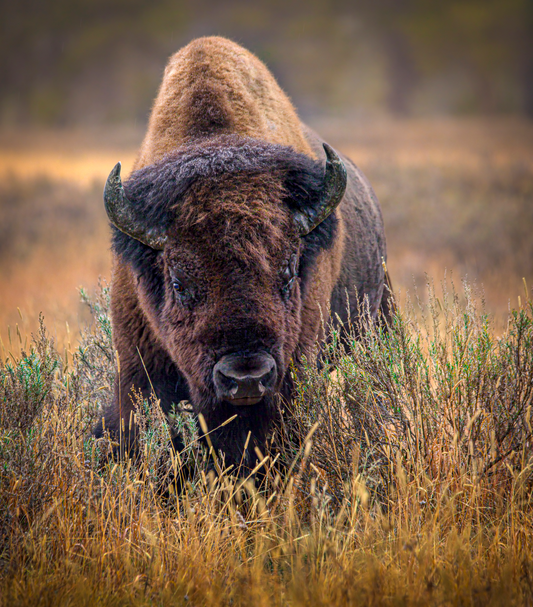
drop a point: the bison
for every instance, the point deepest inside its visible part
(237, 236)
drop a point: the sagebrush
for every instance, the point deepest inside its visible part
(401, 474)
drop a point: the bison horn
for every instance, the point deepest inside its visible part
(331, 194)
(122, 214)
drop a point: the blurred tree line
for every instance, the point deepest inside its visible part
(100, 61)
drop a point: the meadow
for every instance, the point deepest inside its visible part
(402, 474)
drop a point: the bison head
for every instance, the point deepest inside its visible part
(223, 238)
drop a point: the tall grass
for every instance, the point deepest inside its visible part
(401, 474)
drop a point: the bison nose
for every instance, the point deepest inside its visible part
(244, 379)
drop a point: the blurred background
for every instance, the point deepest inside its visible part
(433, 99)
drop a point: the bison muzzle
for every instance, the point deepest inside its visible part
(236, 238)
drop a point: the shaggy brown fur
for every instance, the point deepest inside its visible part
(215, 87)
(223, 165)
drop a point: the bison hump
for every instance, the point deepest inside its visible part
(214, 87)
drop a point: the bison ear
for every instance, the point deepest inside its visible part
(329, 197)
(122, 215)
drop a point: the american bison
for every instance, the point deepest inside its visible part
(236, 235)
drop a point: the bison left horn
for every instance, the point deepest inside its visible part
(122, 214)
(333, 188)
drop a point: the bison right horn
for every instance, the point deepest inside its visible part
(333, 188)
(122, 215)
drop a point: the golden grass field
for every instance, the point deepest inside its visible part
(407, 469)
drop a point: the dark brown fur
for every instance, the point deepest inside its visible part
(224, 162)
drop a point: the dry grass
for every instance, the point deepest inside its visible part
(407, 480)
(403, 473)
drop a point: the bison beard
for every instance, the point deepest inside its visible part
(232, 240)
(254, 421)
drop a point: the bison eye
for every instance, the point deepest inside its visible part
(178, 286)
(183, 290)
(288, 275)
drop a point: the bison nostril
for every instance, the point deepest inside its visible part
(228, 383)
(267, 380)
(244, 379)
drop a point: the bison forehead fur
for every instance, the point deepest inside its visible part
(233, 289)
(230, 198)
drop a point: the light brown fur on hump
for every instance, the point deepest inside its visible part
(211, 87)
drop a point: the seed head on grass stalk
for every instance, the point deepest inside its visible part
(417, 482)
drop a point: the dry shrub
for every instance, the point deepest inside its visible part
(406, 478)
(436, 392)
